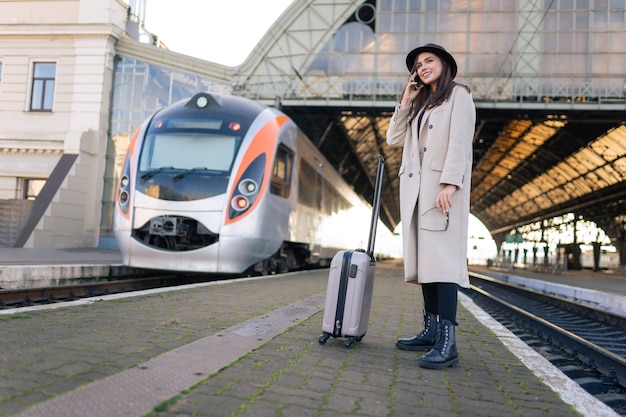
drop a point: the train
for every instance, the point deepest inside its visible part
(224, 184)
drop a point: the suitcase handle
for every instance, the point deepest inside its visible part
(376, 205)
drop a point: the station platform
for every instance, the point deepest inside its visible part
(603, 290)
(26, 268)
(248, 347)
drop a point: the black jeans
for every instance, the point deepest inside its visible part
(441, 298)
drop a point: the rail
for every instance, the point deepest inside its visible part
(587, 344)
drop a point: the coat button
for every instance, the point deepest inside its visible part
(430, 126)
(410, 174)
(424, 148)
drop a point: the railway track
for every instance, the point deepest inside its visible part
(588, 345)
(17, 298)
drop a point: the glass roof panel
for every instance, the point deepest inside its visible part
(517, 127)
(575, 163)
(605, 148)
(620, 167)
(591, 158)
(510, 201)
(559, 174)
(573, 191)
(595, 182)
(509, 163)
(539, 134)
(568, 171)
(608, 174)
(500, 171)
(618, 136)
(531, 190)
(582, 185)
(519, 197)
(523, 149)
(543, 202)
(530, 207)
(558, 196)
(544, 183)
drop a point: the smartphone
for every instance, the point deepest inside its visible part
(417, 80)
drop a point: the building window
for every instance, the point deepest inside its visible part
(31, 188)
(43, 86)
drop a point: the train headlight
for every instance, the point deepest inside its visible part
(202, 102)
(124, 197)
(248, 187)
(124, 182)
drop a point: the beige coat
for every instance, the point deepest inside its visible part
(433, 253)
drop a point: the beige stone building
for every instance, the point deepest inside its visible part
(57, 75)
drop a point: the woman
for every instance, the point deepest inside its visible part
(434, 123)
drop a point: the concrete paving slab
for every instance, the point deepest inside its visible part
(92, 353)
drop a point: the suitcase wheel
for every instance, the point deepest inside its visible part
(323, 338)
(348, 343)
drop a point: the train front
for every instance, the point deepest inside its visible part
(172, 198)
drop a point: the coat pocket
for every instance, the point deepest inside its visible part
(434, 220)
(436, 165)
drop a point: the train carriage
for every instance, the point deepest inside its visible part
(222, 184)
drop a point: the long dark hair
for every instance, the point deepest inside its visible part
(427, 99)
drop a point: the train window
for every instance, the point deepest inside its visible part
(333, 201)
(281, 172)
(306, 184)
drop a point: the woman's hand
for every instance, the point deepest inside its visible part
(444, 198)
(411, 89)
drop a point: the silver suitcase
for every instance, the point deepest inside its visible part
(351, 283)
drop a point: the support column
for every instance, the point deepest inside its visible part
(620, 245)
(596, 256)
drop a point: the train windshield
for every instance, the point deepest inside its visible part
(179, 150)
(188, 154)
(186, 164)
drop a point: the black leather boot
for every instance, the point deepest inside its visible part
(426, 339)
(444, 354)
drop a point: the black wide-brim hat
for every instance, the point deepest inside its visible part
(435, 49)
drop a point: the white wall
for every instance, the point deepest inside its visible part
(79, 36)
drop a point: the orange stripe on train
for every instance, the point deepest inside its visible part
(263, 142)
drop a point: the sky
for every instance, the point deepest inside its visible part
(220, 31)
